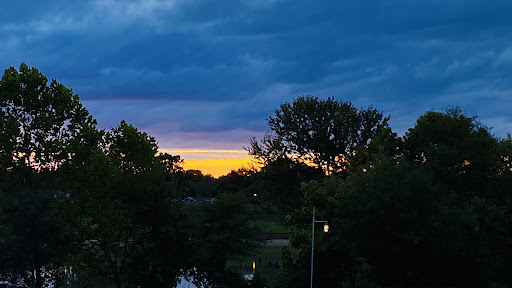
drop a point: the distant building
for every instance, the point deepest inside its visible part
(197, 200)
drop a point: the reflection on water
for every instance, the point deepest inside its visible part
(185, 284)
(47, 276)
(49, 283)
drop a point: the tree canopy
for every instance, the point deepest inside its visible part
(104, 204)
(321, 132)
(430, 208)
(41, 125)
(426, 209)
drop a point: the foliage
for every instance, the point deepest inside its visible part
(428, 210)
(321, 195)
(41, 124)
(234, 182)
(223, 230)
(458, 149)
(172, 164)
(134, 151)
(199, 185)
(103, 203)
(386, 144)
(43, 127)
(122, 223)
(320, 132)
(431, 208)
(30, 225)
(279, 181)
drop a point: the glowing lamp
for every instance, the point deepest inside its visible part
(326, 227)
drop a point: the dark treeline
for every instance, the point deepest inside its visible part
(429, 209)
(102, 204)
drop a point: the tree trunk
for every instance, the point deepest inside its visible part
(39, 283)
(117, 280)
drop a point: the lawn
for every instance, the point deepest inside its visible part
(273, 224)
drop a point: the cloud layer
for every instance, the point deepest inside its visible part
(205, 74)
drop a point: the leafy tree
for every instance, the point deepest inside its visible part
(29, 245)
(320, 194)
(134, 151)
(321, 132)
(43, 127)
(234, 182)
(279, 183)
(199, 185)
(125, 225)
(3, 232)
(99, 224)
(474, 167)
(101, 202)
(431, 210)
(393, 224)
(460, 151)
(393, 217)
(223, 230)
(172, 164)
(409, 229)
(385, 145)
(7, 141)
(268, 149)
(41, 124)
(503, 184)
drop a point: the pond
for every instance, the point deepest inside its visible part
(267, 262)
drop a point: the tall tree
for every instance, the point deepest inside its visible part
(223, 230)
(460, 150)
(473, 166)
(321, 132)
(134, 151)
(126, 224)
(279, 183)
(431, 209)
(43, 126)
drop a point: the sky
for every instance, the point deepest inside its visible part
(202, 76)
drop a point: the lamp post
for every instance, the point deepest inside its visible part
(326, 229)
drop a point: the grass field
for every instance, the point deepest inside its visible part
(272, 224)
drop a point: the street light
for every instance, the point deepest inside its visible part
(326, 229)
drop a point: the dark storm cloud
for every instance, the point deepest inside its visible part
(223, 65)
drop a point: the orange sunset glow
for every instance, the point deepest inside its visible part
(216, 167)
(214, 162)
